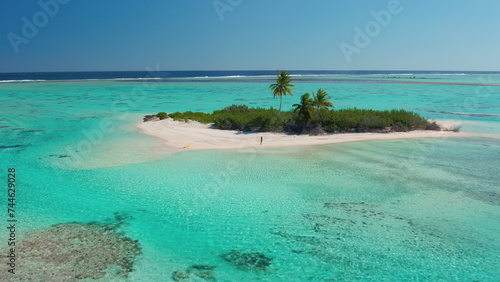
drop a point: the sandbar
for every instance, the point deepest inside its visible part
(192, 135)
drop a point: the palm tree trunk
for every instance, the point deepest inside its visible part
(279, 112)
(320, 117)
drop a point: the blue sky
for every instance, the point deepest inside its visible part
(95, 35)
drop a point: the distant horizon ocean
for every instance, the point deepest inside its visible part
(104, 75)
(398, 210)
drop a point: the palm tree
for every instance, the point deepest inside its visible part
(321, 102)
(282, 87)
(305, 108)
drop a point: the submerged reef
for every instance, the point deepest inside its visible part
(247, 261)
(490, 197)
(195, 272)
(74, 251)
(350, 240)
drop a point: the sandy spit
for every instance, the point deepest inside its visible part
(182, 136)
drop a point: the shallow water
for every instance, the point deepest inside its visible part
(423, 209)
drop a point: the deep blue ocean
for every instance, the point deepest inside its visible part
(98, 75)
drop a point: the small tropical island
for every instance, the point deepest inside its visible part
(312, 121)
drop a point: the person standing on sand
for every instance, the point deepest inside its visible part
(261, 139)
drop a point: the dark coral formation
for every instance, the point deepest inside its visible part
(74, 251)
(180, 275)
(330, 239)
(202, 271)
(247, 261)
(118, 220)
(489, 197)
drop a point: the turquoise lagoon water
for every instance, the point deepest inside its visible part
(425, 209)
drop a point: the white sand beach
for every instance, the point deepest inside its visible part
(182, 136)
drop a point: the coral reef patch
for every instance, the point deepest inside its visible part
(247, 261)
(75, 251)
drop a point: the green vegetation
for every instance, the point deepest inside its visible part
(249, 119)
(237, 117)
(198, 116)
(282, 87)
(162, 115)
(311, 115)
(322, 103)
(358, 120)
(304, 109)
(304, 119)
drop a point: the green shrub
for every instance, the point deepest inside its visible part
(358, 120)
(198, 116)
(235, 109)
(162, 115)
(243, 118)
(249, 119)
(433, 126)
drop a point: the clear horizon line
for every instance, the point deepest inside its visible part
(290, 70)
